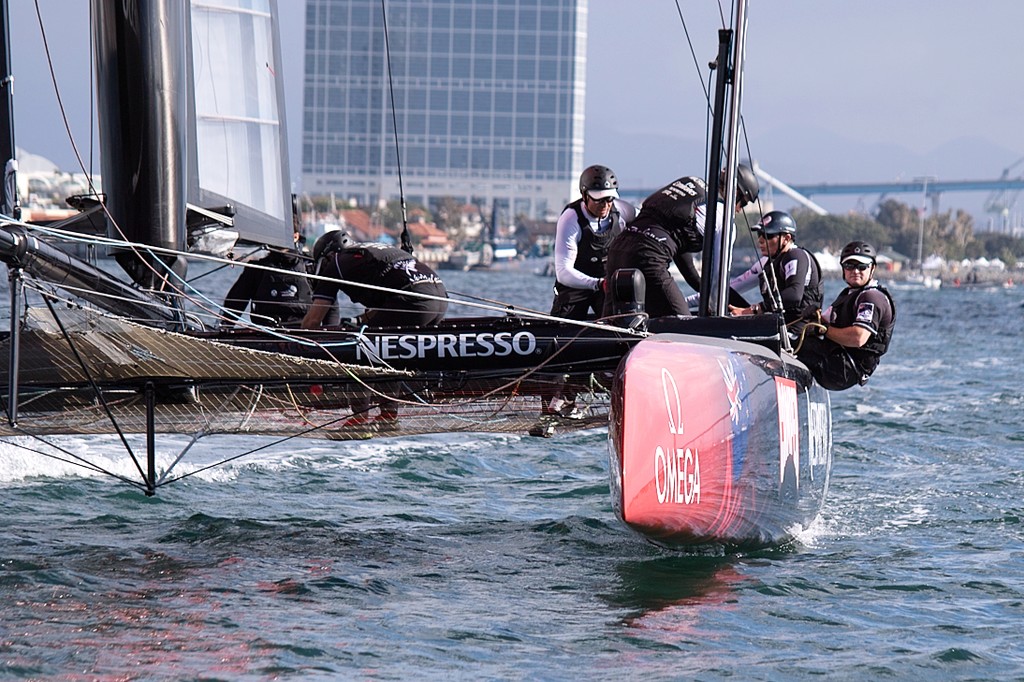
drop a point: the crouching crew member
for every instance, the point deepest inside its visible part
(398, 274)
(338, 258)
(278, 297)
(858, 325)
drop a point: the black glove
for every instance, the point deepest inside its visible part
(811, 314)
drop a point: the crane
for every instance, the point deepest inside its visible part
(1001, 201)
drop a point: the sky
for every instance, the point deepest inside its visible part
(835, 91)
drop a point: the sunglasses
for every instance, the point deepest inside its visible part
(762, 235)
(606, 200)
(859, 267)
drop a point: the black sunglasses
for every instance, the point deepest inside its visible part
(860, 267)
(606, 200)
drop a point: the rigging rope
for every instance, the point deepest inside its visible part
(93, 384)
(206, 306)
(406, 239)
(816, 325)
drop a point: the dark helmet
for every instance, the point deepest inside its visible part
(329, 242)
(862, 252)
(746, 185)
(776, 222)
(599, 182)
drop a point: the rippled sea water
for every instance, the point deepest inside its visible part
(499, 557)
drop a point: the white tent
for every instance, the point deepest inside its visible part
(828, 261)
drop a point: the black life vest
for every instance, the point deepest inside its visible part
(592, 251)
(283, 296)
(674, 209)
(813, 295)
(814, 292)
(385, 266)
(844, 310)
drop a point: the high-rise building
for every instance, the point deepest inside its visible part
(485, 98)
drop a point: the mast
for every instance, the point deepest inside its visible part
(717, 254)
(141, 74)
(920, 225)
(9, 203)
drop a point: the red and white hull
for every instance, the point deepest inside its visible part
(717, 441)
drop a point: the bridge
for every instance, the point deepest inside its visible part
(1002, 191)
(922, 186)
(928, 186)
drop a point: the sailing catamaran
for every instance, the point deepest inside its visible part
(716, 432)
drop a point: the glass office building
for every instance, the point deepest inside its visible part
(485, 98)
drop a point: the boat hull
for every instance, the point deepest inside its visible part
(717, 442)
(481, 345)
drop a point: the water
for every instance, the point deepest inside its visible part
(498, 557)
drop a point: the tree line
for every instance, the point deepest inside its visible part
(895, 226)
(899, 227)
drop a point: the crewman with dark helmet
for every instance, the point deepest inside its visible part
(584, 231)
(791, 277)
(346, 263)
(277, 297)
(856, 329)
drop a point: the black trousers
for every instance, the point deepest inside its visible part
(830, 363)
(576, 304)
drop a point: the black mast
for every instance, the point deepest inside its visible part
(708, 280)
(722, 164)
(9, 203)
(141, 75)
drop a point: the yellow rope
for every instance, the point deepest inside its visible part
(815, 324)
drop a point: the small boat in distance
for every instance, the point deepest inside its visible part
(916, 281)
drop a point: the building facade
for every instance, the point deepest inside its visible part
(484, 97)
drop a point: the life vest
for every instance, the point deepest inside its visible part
(813, 294)
(674, 209)
(384, 266)
(844, 311)
(283, 296)
(592, 251)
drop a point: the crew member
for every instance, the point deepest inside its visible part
(792, 276)
(399, 274)
(858, 325)
(279, 297)
(346, 263)
(584, 231)
(669, 227)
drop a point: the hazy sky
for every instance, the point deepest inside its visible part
(836, 91)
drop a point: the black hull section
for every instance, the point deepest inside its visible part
(482, 345)
(495, 345)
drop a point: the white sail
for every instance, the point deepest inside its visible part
(240, 145)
